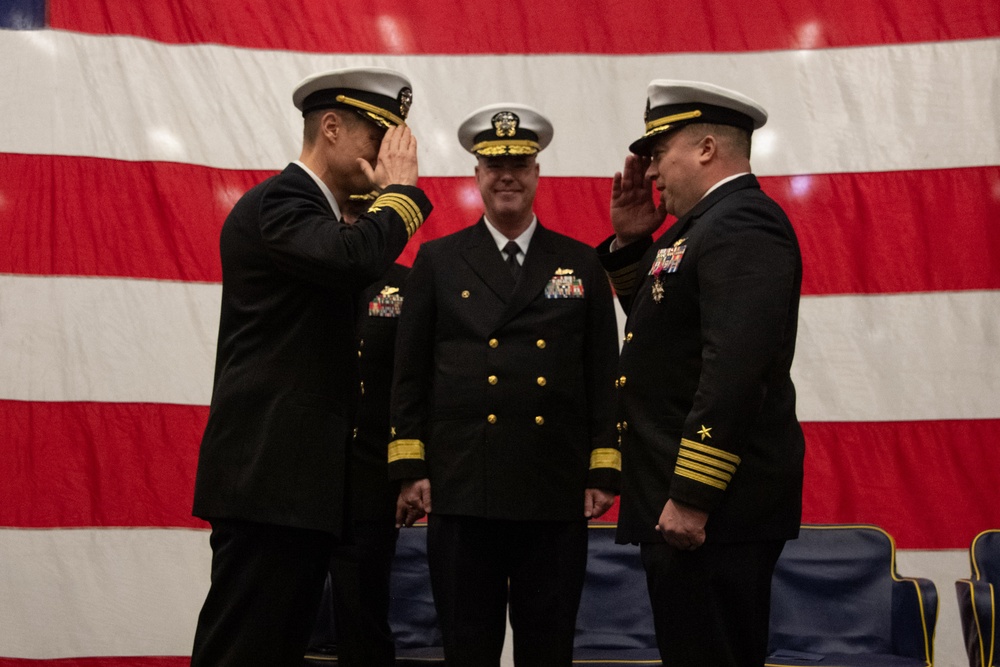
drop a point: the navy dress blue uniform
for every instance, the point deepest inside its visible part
(502, 397)
(704, 370)
(506, 387)
(360, 568)
(272, 469)
(707, 410)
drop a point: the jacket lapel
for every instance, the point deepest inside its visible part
(484, 259)
(720, 193)
(307, 184)
(539, 266)
(685, 223)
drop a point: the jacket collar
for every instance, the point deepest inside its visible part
(707, 202)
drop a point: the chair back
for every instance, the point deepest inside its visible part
(832, 591)
(985, 557)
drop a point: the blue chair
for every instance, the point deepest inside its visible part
(412, 616)
(837, 600)
(977, 599)
(614, 626)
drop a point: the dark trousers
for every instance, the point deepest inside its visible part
(478, 565)
(359, 572)
(711, 606)
(267, 582)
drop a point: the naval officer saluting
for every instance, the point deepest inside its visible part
(711, 449)
(273, 463)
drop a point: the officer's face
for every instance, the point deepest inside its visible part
(673, 169)
(507, 184)
(361, 139)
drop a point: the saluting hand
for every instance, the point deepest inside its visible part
(397, 159)
(633, 213)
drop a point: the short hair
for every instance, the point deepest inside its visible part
(734, 141)
(311, 121)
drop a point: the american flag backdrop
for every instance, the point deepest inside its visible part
(128, 129)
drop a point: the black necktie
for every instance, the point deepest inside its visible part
(512, 249)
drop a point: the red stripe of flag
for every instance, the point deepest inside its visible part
(99, 464)
(930, 484)
(482, 26)
(907, 231)
(112, 464)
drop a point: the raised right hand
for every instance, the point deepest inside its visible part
(397, 159)
(633, 213)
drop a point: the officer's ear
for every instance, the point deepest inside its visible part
(330, 125)
(708, 149)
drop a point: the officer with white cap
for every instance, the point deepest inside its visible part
(272, 468)
(502, 406)
(712, 452)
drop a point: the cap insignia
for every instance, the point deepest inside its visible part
(405, 100)
(505, 123)
(645, 114)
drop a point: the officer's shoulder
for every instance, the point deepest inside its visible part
(752, 206)
(760, 201)
(271, 190)
(288, 186)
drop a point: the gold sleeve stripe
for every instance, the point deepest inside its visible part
(404, 203)
(405, 207)
(627, 270)
(711, 451)
(405, 449)
(716, 463)
(706, 470)
(700, 478)
(624, 285)
(606, 458)
(627, 280)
